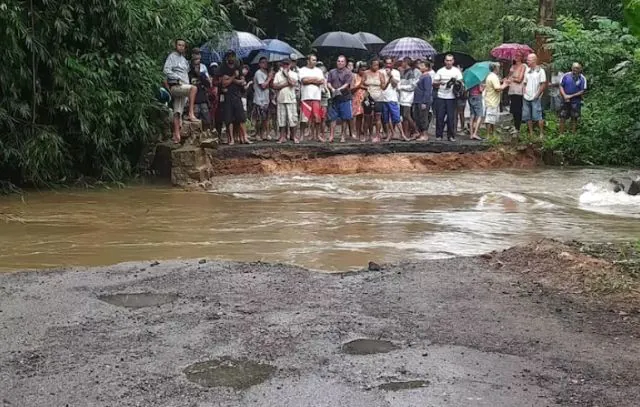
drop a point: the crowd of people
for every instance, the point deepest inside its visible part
(376, 101)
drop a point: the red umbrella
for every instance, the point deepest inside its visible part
(509, 51)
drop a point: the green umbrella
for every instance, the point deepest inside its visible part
(476, 74)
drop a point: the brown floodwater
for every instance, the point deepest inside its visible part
(322, 222)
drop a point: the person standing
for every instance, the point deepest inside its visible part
(176, 70)
(359, 91)
(476, 108)
(375, 80)
(422, 99)
(260, 114)
(535, 83)
(233, 112)
(409, 78)
(285, 83)
(516, 90)
(446, 101)
(572, 87)
(391, 108)
(493, 90)
(202, 83)
(339, 84)
(312, 80)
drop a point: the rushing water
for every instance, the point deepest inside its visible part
(321, 222)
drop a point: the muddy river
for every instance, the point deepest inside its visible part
(321, 222)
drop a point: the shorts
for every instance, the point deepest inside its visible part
(287, 115)
(340, 110)
(390, 113)
(260, 114)
(201, 110)
(378, 107)
(461, 103)
(368, 106)
(233, 111)
(405, 112)
(310, 110)
(476, 106)
(531, 110)
(421, 116)
(179, 93)
(491, 114)
(570, 110)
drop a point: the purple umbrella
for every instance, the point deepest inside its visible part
(409, 47)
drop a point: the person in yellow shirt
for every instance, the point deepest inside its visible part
(493, 89)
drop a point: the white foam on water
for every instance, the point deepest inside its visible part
(601, 199)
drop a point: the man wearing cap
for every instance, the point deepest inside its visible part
(176, 70)
(312, 80)
(233, 113)
(339, 84)
(285, 82)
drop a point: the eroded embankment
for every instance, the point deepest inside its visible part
(291, 162)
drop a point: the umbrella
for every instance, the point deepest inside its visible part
(239, 41)
(275, 51)
(509, 51)
(338, 41)
(408, 47)
(371, 41)
(476, 74)
(464, 60)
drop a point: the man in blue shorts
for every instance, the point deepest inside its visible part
(535, 83)
(339, 84)
(572, 87)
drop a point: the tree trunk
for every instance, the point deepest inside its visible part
(546, 17)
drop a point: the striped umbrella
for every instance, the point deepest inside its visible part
(411, 47)
(239, 41)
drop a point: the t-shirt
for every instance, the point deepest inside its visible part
(554, 91)
(338, 78)
(391, 93)
(444, 75)
(571, 84)
(288, 93)
(311, 92)
(260, 96)
(534, 78)
(492, 93)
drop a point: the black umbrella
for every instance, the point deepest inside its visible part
(338, 41)
(371, 41)
(464, 60)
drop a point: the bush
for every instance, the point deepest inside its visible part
(78, 82)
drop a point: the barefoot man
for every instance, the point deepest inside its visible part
(176, 70)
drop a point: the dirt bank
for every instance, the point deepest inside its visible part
(286, 162)
(487, 331)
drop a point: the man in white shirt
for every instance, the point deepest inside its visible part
(312, 79)
(391, 108)
(535, 83)
(260, 115)
(285, 83)
(446, 102)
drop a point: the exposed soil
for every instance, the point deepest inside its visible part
(287, 163)
(523, 327)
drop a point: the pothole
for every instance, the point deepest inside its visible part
(368, 347)
(138, 300)
(227, 372)
(397, 386)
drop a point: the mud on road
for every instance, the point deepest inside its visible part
(459, 332)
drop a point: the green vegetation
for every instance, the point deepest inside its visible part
(78, 80)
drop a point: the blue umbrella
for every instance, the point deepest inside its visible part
(239, 41)
(276, 50)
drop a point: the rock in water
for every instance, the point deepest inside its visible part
(374, 266)
(628, 185)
